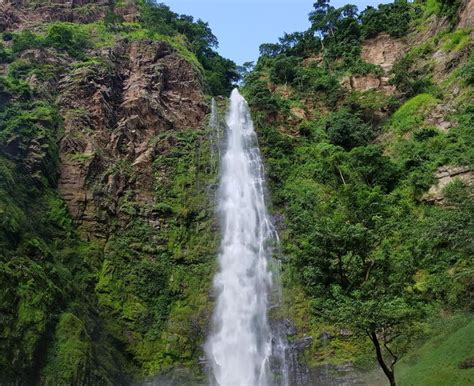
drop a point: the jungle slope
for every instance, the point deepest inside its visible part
(366, 123)
(107, 234)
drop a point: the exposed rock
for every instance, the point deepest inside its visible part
(16, 14)
(383, 50)
(345, 333)
(444, 62)
(344, 374)
(111, 114)
(299, 113)
(316, 59)
(368, 82)
(467, 364)
(438, 117)
(445, 175)
(324, 337)
(466, 16)
(431, 27)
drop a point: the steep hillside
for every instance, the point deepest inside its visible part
(107, 235)
(366, 124)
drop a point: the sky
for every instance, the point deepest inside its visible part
(242, 25)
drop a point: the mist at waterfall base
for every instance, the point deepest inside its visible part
(240, 346)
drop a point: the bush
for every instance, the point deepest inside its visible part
(391, 18)
(4, 55)
(284, 70)
(317, 79)
(467, 73)
(408, 80)
(348, 130)
(67, 37)
(374, 168)
(26, 39)
(262, 99)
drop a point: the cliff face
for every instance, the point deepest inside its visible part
(112, 111)
(29, 13)
(117, 131)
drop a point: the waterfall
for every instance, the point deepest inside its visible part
(239, 348)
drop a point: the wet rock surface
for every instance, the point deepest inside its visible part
(301, 374)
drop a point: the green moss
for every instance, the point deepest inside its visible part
(71, 351)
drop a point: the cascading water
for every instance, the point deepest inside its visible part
(240, 345)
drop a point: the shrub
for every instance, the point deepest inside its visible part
(391, 18)
(26, 39)
(67, 37)
(374, 168)
(4, 55)
(284, 70)
(455, 41)
(348, 130)
(467, 73)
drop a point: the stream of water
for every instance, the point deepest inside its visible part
(241, 342)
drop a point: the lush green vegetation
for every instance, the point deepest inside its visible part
(78, 311)
(45, 268)
(220, 73)
(368, 252)
(367, 259)
(151, 282)
(441, 360)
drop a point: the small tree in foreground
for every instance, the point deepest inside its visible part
(389, 322)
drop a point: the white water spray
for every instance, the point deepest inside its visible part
(240, 347)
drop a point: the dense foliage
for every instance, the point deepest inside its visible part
(351, 176)
(220, 72)
(80, 311)
(368, 255)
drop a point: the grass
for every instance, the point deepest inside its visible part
(411, 114)
(437, 361)
(455, 41)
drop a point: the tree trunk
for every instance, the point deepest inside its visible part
(387, 371)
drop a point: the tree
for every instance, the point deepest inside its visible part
(388, 319)
(284, 69)
(338, 28)
(270, 49)
(220, 73)
(357, 276)
(245, 69)
(392, 18)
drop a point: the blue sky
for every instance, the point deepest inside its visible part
(242, 25)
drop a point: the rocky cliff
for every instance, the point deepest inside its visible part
(112, 112)
(118, 132)
(29, 13)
